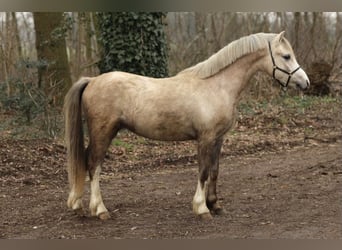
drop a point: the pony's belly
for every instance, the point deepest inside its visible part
(165, 136)
(166, 133)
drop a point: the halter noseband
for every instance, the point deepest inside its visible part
(275, 67)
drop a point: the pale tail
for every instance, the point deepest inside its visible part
(76, 156)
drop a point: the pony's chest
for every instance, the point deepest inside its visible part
(227, 120)
(218, 117)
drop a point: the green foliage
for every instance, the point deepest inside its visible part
(133, 42)
(287, 114)
(289, 104)
(60, 32)
(24, 100)
(29, 104)
(119, 143)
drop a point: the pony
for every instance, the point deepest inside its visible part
(199, 103)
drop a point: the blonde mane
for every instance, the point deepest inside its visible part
(229, 54)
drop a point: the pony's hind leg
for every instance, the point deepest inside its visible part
(77, 173)
(98, 145)
(76, 193)
(96, 205)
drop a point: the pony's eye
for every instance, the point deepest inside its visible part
(287, 57)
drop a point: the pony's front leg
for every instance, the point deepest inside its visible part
(208, 154)
(212, 202)
(199, 205)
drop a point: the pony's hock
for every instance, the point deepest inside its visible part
(199, 103)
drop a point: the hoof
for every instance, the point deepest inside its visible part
(104, 216)
(205, 217)
(218, 211)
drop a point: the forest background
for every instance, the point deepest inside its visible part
(41, 54)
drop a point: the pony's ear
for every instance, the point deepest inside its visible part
(279, 38)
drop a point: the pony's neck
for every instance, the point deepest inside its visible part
(235, 78)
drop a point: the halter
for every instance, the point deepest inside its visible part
(275, 67)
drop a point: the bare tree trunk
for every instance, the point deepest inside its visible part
(337, 51)
(16, 33)
(3, 59)
(297, 17)
(6, 51)
(312, 33)
(87, 36)
(78, 44)
(216, 34)
(92, 27)
(283, 24)
(266, 24)
(54, 75)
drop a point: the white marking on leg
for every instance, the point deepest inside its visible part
(75, 200)
(96, 204)
(199, 202)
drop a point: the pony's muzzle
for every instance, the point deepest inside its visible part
(307, 84)
(303, 86)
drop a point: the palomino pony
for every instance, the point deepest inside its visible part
(199, 103)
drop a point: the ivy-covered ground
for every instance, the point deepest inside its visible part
(280, 177)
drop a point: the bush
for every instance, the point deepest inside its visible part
(28, 104)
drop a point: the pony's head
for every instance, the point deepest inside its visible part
(283, 65)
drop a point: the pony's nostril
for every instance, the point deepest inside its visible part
(308, 83)
(303, 86)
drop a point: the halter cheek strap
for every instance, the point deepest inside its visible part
(275, 67)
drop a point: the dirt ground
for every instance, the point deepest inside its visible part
(278, 181)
